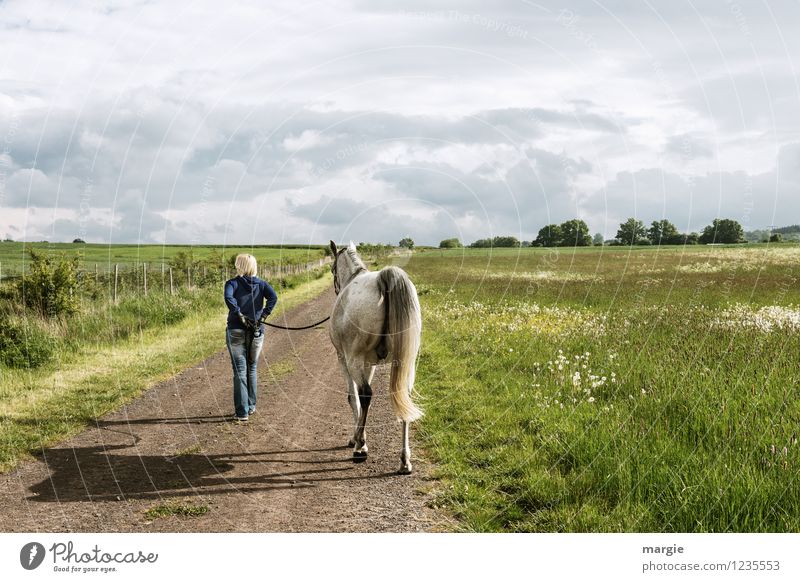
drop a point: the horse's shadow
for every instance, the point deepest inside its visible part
(101, 473)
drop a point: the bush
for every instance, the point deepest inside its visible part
(498, 241)
(450, 243)
(24, 344)
(51, 286)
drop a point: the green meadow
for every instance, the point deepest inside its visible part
(613, 389)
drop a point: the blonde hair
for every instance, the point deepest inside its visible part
(246, 265)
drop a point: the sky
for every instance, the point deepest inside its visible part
(298, 122)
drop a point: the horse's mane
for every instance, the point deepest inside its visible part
(356, 263)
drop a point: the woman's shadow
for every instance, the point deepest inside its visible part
(100, 473)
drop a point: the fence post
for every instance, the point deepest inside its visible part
(162, 276)
(144, 271)
(116, 278)
(171, 288)
(188, 277)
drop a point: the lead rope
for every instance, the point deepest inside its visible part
(296, 328)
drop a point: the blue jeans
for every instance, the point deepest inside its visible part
(244, 347)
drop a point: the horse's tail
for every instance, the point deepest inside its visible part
(403, 329)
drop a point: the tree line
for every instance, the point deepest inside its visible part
(575, 233)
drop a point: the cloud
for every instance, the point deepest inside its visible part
(156, 122)
(693, 201)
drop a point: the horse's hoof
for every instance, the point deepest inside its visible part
(359, 456)
(404, 470)
(351, 443)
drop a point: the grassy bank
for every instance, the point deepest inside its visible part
(613, 390)
(96, 370)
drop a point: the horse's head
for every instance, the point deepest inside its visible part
(346, 264)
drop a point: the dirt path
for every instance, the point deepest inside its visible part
(285, 470)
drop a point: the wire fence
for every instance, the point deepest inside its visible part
(126, 278)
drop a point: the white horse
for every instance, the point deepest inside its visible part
(376, 315)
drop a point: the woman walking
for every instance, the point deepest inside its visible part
(248, 299)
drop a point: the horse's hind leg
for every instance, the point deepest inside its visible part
(405, 455)
(360, 448)
(353, 400)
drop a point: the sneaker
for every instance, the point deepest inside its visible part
(240, 418)
(252, 411)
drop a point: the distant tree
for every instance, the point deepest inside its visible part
(776, 237)
(407, 243)
(549, 236)
(598, 239)
(450, 243)
(631, 231)
(692, 239)
(722, 230)
(79, 241)
(663, 232)
(575, 233)
(525, 243)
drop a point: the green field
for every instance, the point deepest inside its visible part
(613, 389)
(14, 255)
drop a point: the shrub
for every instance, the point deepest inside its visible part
(23, 344)
(51, 286)
(450, 243)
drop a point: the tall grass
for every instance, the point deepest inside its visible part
(613, 390)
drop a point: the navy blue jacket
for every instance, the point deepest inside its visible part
(247, 295)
